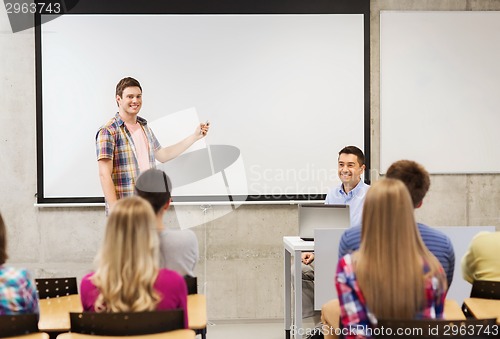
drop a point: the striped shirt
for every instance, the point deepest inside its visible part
(114, 141)
(17, 291)
(436, 241)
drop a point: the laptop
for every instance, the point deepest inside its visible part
(314, 216)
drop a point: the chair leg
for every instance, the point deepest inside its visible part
(203, 333)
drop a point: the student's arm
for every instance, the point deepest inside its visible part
(468, 266)
(108, 188)
(170, 152)
(451, 264)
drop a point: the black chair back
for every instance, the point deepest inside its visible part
(126, 323)
(56, 287)
(20, 324)
(485, 289)
(437, 328)
(192, 284)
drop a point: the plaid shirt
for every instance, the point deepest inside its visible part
(114, 141)
(17, 291)
(354, 313)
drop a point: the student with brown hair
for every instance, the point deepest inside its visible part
(178, 247)
(417, 180)
(393, 274)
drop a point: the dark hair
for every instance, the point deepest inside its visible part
(154, 185)
(126, 82)
(356, 151)
(3, 242)
(414, 176)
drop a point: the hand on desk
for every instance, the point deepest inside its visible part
(307, 258)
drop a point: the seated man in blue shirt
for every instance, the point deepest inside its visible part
(351, 191)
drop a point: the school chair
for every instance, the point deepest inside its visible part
(485, 289)
(56, 287)
(176, 334)
(19, 324)
(126, 323)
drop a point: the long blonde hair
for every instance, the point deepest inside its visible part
(389, 264)
(127, 264)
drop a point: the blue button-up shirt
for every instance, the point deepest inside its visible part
(354, 199)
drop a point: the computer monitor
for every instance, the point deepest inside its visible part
(315, 216)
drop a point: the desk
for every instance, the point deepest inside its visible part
(294, 246)
(452, 311)
(39, 335)
(177, 334)
(483, 308)
(54, 312)
(197, 311)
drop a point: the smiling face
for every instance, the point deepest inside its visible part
(349, 171)
(130, 102)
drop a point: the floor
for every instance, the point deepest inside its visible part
(249, 329)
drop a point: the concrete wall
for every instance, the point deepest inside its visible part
(241, 267)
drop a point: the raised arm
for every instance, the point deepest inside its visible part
(170, 152)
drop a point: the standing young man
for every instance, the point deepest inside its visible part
(126, 146)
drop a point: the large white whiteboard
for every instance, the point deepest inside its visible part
(440, 90)
(286, 90)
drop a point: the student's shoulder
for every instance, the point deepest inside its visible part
(353, 231)
(164, 274)
(430, 234)
(111, 125)
(179, 236)
(485, 234)
(8, 272)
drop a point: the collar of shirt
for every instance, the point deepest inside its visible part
(352, 192)
(120, 122)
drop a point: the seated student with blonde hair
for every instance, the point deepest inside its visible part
(17, 289)
(393, 274)
(127, 278)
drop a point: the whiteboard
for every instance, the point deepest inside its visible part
(286, 91)
(439, 90)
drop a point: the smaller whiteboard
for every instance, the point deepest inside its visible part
(439, 90)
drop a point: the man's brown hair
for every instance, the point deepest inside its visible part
(414, 176)
(356, 151)
(124, 83)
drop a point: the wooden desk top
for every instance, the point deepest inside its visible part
(177, 334)
(452, 311)
(197, 311)
(54, 312)
(484, 308)
(39, 335)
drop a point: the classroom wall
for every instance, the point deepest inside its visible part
(241, 266)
